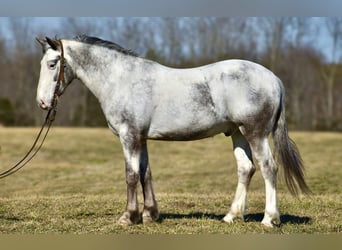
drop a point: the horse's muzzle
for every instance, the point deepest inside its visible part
(43, 105)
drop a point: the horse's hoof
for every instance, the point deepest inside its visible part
(271, 221)
(149, 217)
(229, 218)
(270, 224)
(124, 221)
(127, 219)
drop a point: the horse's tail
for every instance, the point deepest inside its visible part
(287, 152)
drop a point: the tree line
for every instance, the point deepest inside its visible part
(288, 46)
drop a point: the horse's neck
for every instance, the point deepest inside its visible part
(102, 70)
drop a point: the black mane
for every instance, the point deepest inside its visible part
(107, 44)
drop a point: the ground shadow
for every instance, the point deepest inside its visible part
(10, 218)
(285, 218)
(195, 215)
(255, 217)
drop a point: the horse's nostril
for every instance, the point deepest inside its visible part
(42, 104)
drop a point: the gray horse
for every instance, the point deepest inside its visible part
(142, 100)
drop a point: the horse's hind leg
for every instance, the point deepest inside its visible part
(262, 152)
(246, 170)
(150, 212)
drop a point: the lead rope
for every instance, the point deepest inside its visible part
(28, 157)
(50, 117)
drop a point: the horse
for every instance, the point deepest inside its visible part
(144, 100)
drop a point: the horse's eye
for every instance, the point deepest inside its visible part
(52, 65)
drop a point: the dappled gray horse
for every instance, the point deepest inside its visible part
(142, 100)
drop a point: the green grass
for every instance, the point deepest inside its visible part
(76, 184)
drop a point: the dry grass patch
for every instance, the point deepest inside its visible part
(76, 185)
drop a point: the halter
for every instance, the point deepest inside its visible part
(60, 75)
(50, 117)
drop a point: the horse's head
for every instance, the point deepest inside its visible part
(49, 72)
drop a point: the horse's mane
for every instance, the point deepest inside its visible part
(107, 44)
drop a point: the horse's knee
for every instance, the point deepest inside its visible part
(132, 178)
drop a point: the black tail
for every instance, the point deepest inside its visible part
(288, 154)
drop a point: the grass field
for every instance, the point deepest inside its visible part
(76, 184)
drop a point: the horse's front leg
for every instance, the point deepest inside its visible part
(150, 212)
(132, 151)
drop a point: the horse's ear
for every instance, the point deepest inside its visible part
(43, 43)
(53, 43)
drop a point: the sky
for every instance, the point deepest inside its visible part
(52, 24)
(170, 8)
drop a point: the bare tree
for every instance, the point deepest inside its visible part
(23, 70)
(300, 73)
(173, 36)
(334, 28)
(274, 30)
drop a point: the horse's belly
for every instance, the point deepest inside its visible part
(188, 133)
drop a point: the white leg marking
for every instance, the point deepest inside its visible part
(269, 172)
(135, 162)
(246, 169)
(132, 158)
(238, 206)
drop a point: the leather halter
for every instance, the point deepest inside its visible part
(50, 117)
(60, 78)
